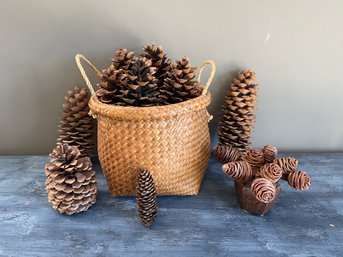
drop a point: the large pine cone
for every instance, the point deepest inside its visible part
(299, 180)
(71, 183)
(146, 198)
(239, 171)
(236, 125)
(263, 189)
(180, 84)
(123, 60)
(159, 60)
(226, 153)
(76, 127)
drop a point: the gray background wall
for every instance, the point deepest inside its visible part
(295, 47)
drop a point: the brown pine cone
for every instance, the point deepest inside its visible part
(226, 153)
(271, 171)
(71, 183)
(269, 153)
(255, 158)
(123, 59)
(146, 198)
(299, 180)
(237, 118)
(287, 164)
(76, 127)
(263, 190)
(240, 170)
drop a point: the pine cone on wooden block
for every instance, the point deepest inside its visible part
(256, 159)
(287, 164)
(71, 183)
(263, 189)
(271, 171)
(76, 127)
(269, 153)
(239, 171)
(180, 84)
(146, 198)
(226, 153)
(236, 125)
(299, 180)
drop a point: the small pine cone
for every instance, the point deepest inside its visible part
(263, 189)
(255, 158)
(146, 198)
(299, 180)
(76, 127)
(287, 164)
(226, 153)
(240, 170)
(71, 183)
(237, 117)
(271, 171)
(269, 153)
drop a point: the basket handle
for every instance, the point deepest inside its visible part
(78, 59)
(210, 78)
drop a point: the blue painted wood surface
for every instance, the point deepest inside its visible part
(307, 223)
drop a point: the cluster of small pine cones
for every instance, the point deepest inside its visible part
(263, 168)
(147, 80)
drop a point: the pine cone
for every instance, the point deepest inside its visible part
(146, 198)
(299, 180)
(180, 84)
(122, 60)
(226, 153)
(239, 171)
(159, 60)
(271, 171)
(71, 182)
(236, 125)
(255, 158)
(287, 164)
(263, 190)
(269, 153)
(76, 126)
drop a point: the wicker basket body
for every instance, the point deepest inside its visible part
(171, 141)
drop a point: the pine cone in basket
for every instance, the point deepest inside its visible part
(123, 60)
(263, 189)
(236, 125)
(271, 171)
(146, 198)
(76, 127)
(71, 183)
(226, 153)
(239, 171)
(180, 84)
(299, 180)
(159, 60)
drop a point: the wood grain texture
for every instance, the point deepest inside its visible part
(307, 223)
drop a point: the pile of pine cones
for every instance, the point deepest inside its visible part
(150, 79)
(263, 169)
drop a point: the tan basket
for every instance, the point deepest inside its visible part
(171, 141)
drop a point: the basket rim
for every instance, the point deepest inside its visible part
(151, 112)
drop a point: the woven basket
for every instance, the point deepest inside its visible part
(171, 141)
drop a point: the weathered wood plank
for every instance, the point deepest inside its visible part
(305, 223)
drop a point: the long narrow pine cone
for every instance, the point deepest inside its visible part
(146, 198)
(237, 118)
(239, 171)
(287, 164)
(271, 171)
(299, 180)
(263, 189)
(269, 153)
(180, 84)
(226, 153)
(71, 183)
(76, 127)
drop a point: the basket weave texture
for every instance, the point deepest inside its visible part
(171, 141)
